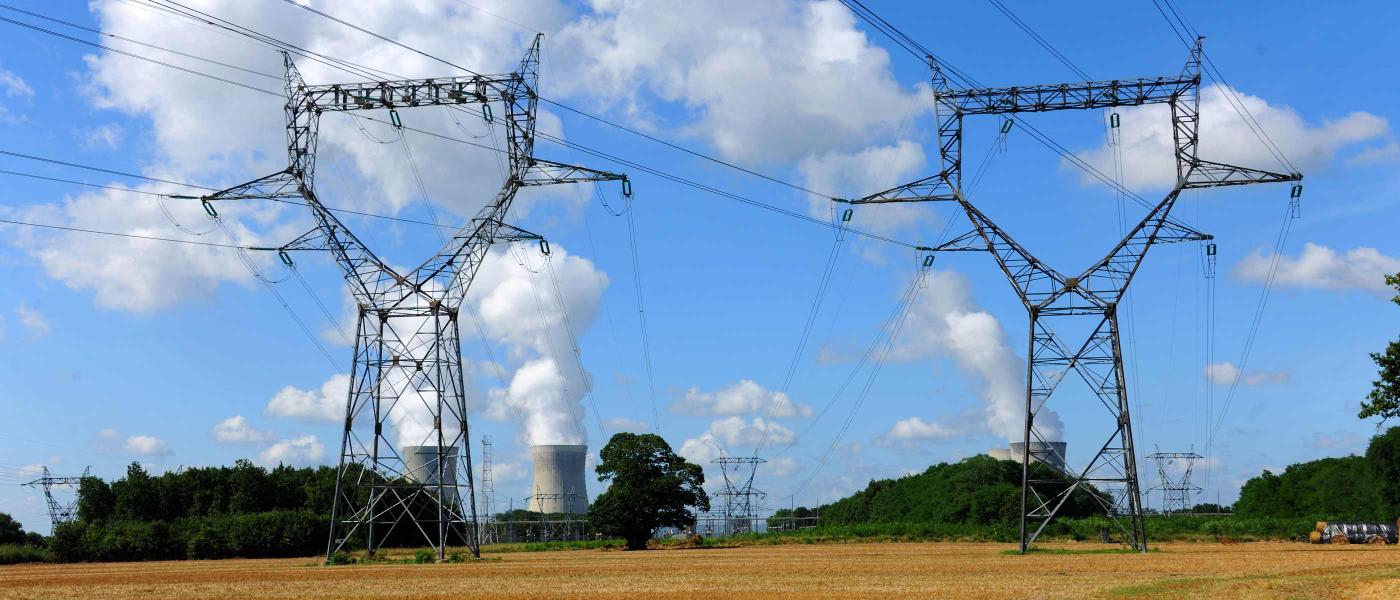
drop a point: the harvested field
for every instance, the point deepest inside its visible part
(1252, 570)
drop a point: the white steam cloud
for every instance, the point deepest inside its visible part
(946, 321)
(521, 310)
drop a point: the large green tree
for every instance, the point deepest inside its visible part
(1384, 399)
(651, 487)
(11, 532)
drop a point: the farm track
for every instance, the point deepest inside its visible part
(963, 570)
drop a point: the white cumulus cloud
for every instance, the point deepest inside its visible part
(147, 445)
(1146, 134)
(733, 436)
(1320, 267)
(735, 64)
(301, 451)
(325, 404)
(1225, 373)
(743, 398)
(915, 429)
(946, 321)
(33, 321)
(237, 430)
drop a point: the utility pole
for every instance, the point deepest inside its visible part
(407, 352)
(60, 511)
(1176, 492)
(1085, 304)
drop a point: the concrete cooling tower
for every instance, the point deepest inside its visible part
(559, 482)
(1051, 453)
(420, 464)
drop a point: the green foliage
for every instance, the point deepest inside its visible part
(206, 491)
(203, 512)
(13, 554)
(424, 556)
(1350, 488)
(651, 487)
(340, 557)
(1384, 399)
(457, 557)
(979, 490)
(11, 532)
(1384, 457)
(96, 502)
(256, 535)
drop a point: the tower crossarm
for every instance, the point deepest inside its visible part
(440, 91)
(1208, 174)
(547, 172)
(1067, 96)
(929, 189)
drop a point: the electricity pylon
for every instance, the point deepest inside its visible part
(739, 500)
(1176, 491)
(60, 511)
(488, 492)
(1089, 298)
(407, 355)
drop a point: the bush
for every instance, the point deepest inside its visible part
(259, 535)
(340, 557)
(13, 554)
(424, 556)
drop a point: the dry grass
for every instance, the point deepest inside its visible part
(1252, 570)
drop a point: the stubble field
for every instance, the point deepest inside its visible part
(959, 570)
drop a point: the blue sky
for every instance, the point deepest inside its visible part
(121, 350)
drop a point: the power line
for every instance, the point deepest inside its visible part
(131, 235)
(139, 57)
(579, 112)
(139, 43)
(1231, 97)
(918, 51)
(588, 150)
(1036, 37)
(642, 319)
(175, 183)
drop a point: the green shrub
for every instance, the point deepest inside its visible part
(424, 556)
(13, 554)
(340, 557)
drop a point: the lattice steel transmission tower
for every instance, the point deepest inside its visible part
(1085, 303)
(407, 354)
(739, 501)
(1176, 491)
(60, 511)
(488, 492)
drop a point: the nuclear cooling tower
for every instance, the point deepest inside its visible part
(559, 485)
(1050, 453)
(420, 464)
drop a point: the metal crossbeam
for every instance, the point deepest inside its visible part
(407, 357)
(1110, 476)
(1068, 96)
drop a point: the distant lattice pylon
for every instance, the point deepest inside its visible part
(60, 511)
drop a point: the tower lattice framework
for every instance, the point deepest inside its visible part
(60, 510)
(407, 355)
(1176, 491)
(1084, 302)
(739, 500)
